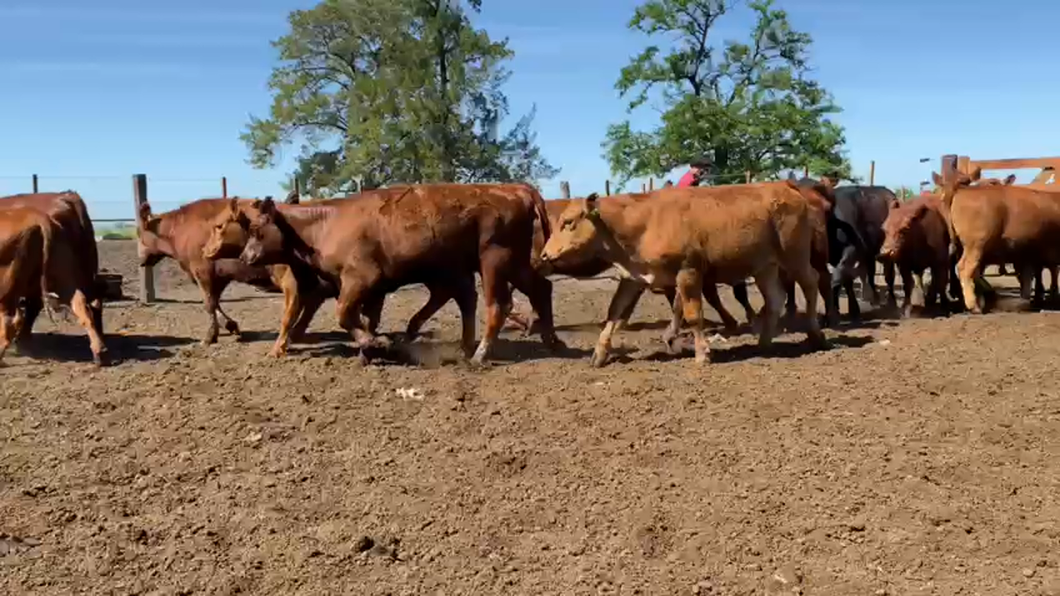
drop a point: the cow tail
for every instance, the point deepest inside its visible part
(542, 213)
(947, 214)
(49, 298)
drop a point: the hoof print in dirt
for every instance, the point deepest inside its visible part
(384, 549)
(13, 545)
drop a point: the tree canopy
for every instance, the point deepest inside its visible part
(751, 106)
(393, 91)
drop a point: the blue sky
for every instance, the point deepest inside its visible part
(91, 95)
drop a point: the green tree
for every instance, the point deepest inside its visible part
(751, 106)
(393, 91)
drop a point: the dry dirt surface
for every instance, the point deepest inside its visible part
(916, 457)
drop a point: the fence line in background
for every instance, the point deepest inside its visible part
(140, 197)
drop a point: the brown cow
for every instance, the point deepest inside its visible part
(437, 233)
(38, 259)
(68, 211)
(681, 237)
(180, 235)
(997, 224)
(304, 290)
(595, 266)
(916, 238)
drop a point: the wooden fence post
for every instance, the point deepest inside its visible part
(643, 188)
(651, 184)
(564, 189)
(298, 187)
(607, 188)
(224, 187)
(805, 171)
(963, 165)
(147, 274)
(872, 173)
(36, 187)
(747, 177)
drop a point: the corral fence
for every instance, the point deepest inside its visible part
(208, 187)
(1044, 180)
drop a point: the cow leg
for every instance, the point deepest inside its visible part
(868, 281)
(356, 288)
(1027, 275)
(211, 300)
(908, 284)
(311, 303)
(9, 328)
(843, 277)
(1001, 269)
(466, 297)
(791, 308)
(940, 274)
(710, 292)
(618, 312)
(292, 306)
(498, 298)
(768, 282)
(690, 289)
(888, 280)
(83, 314)
(968, 271)
(538, 289)
(739, 292)
(32, 307)
(808, 280)
(230, 324)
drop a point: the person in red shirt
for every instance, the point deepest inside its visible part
(697, 172)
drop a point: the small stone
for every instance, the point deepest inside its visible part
(1028, 572)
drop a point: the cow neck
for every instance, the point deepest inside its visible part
(619, 238)
(303, 229)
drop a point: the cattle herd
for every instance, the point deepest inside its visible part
(681, 242)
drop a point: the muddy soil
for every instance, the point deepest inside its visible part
(916, 457)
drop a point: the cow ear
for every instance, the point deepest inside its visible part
(937, 179)
(975, 174)
(827, 181)
(591, 208)
(1010, 179)
(895, 203)
(921, 209)
(267, 207)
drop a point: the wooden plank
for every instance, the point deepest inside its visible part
(147, 274)
(1044, 176)
(564, 189)
(1016, 163)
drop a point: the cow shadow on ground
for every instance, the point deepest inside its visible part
(779, 349)
(61, 347)
(426, 353)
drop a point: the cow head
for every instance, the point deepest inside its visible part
(577, 235)
(264, 239)
(901, 223)
(228, 233)
(152, 245)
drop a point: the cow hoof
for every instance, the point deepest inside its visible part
(101, 359)
(208, 341)
(598, 359)
(277, 352)
(818, 341)
(232, 327)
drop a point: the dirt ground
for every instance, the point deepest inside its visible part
(916, 457)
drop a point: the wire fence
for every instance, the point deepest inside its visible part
(111, 205)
